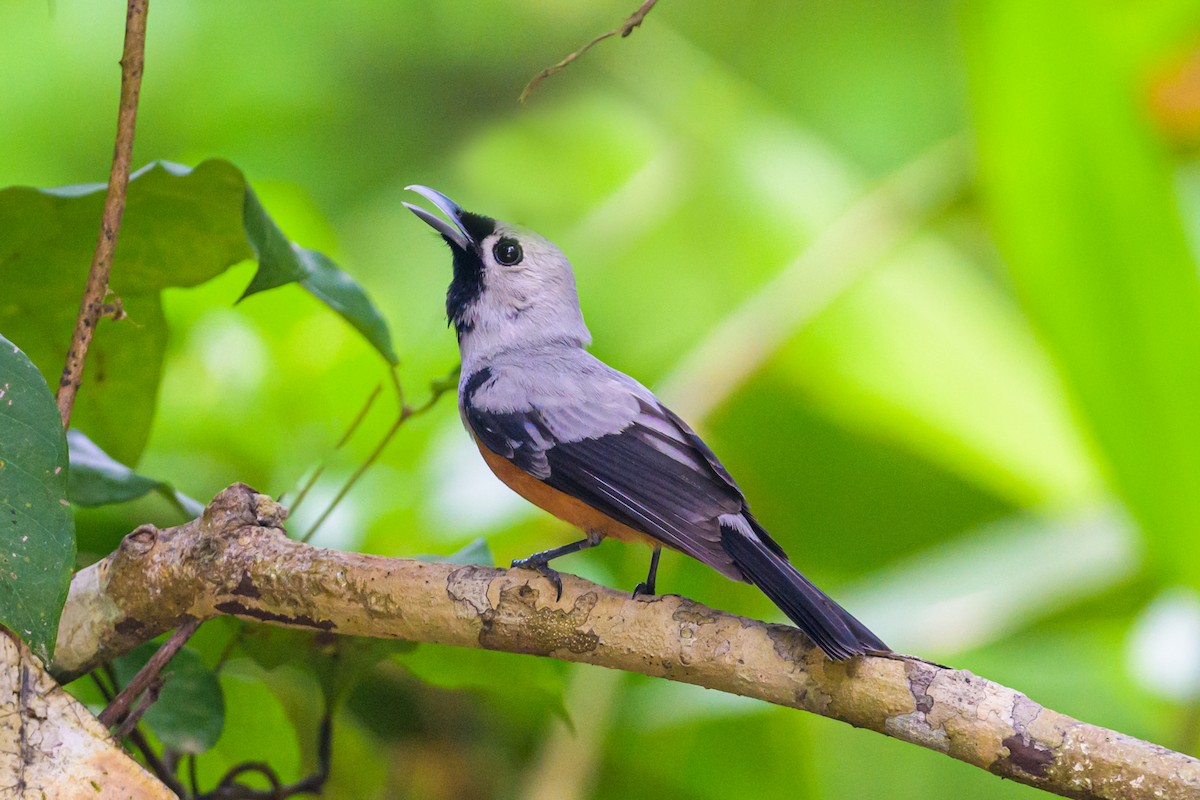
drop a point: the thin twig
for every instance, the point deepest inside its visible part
(193, 777)
(315, 782)
(156, 765)
(92, 306)
(406, 413)
(624, 29)
(229, 789)
(228, 649)
(362, 414)
(149, 698)
(171, 758)
(119, 707)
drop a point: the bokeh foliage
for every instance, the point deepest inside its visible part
(971, 415)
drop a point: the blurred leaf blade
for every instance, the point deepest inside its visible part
(97, 479)
(1084, 209)
(257, 728)
(182, 226)
(337, 662)
(37, 531)
(506, 678)
(477, 552)
(924, 351)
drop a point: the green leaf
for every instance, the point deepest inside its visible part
(97, 479)
(37, 531)
(534, 685)
(1084, 208)
(281, 262)
(181, 227)
(189, 714)
(477, 552)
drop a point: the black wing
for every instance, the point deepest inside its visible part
(653, 474)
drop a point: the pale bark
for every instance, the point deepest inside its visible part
(237, 560)
(52, 747)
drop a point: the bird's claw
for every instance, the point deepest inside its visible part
(643, 589)
(543, 569)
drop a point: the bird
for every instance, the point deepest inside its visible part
(591, 445)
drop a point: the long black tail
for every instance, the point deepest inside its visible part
(829, 625)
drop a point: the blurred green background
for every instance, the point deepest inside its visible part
(923, 273)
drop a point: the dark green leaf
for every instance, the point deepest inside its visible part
(281, 262)
(46, 243)
(37, 532)
(535, 685)
(326, 282)
(190, 711)
(181, 227)
(97, 479)
(336, 661)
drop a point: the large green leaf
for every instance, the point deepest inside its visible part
(281, 262)
(182, 227)
(189, 713)
(1084, 210)
(37, 531)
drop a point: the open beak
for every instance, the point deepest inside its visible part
(454, 232)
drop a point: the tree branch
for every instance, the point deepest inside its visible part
(92, 306)
(235, 559)
(51, 747)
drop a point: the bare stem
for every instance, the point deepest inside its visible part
(362, 414)
(405, 413)
(92, 307)
(160, 769)
(149, 698)
(624, 29)
(147, 675)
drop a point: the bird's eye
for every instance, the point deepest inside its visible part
(507, 252)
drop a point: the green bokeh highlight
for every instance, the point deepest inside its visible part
(1022, 352)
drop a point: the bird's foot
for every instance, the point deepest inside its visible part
(543, 569)
(643, 589)
(646, 587)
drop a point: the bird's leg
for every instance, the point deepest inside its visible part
(540, 562)
(646, 587)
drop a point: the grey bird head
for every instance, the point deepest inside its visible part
(511, 287)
